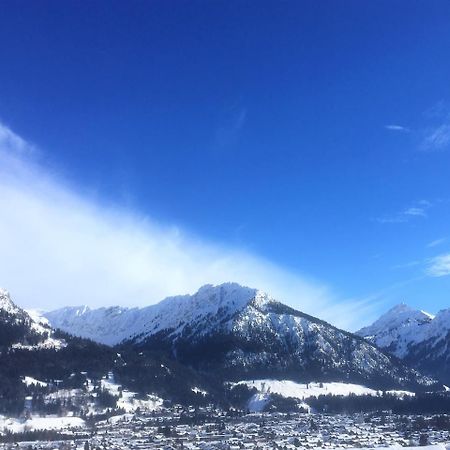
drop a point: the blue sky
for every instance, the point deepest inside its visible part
(312, 135)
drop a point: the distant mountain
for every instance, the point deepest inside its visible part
(237, 333)
(397, 329)
(419, 338)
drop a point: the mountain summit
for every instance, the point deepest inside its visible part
(116, 324)
(397, 329)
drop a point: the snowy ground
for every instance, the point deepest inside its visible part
(40, 423)
(302, 391)
(29, 381)
(127, 399)
(288, 388)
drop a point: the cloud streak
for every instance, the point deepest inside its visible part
(418, 210)
(436, 136)
(399, 128)
(59, 248)
(439, 266)
(436, 242)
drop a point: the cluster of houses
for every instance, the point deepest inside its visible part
(210, 429)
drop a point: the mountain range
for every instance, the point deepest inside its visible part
(238, 333)
(192, 348)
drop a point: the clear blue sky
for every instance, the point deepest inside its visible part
(314, 134)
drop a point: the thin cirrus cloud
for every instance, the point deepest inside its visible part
(436, 242)
(397, 128)
(436, 135)
(417, 211)
(437, 138)
(59, 248)
(439, 266)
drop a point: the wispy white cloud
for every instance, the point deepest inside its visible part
(433, 134)
(436, 242)
(436, 134)
(437, 138)
(415, 211)
(418, 210)
(397, 128)
(439, 266)
(14, 143)
(59, 248)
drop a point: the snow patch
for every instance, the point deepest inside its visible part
(288, 388)
(29, 381)
(14, 425)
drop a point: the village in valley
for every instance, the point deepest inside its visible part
(209, 428)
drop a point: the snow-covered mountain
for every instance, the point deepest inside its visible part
(117, 324)
(398, 328)
(19, 329)
(30, 349)
(238, 332)
(419, 338)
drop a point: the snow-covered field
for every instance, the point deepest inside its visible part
(127, 399)
(29, 381)
(301, 391)
(14, 425)
(288, 388)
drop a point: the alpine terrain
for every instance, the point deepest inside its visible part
(419, 338)
(36, 361)
(236, 333)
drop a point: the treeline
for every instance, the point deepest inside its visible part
(139, 371)
(424, 403)
(16, 329)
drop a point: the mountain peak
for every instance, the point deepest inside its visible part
(6, 304)
(224, 291)
(397, 328)
(114, 324)
(401, 307)
(400, 315)
(418, 337)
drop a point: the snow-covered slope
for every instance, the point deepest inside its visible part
(398, 328)
(303, 391)
(19, 329)
(419, 338)
(6, 304)
(115, 324)
(240, 332)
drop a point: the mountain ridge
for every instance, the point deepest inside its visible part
(237, 331)
(121, 323)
